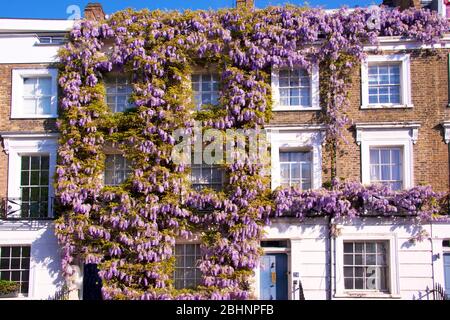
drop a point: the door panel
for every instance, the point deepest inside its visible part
(447, 274)
(273, 277)
(268, 278)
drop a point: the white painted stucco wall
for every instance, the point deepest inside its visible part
(45, 265)
(19, 40)
(418, 265)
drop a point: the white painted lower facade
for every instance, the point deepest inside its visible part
(413, 267)
(45, 278)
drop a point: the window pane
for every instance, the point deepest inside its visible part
(295, 101)
(206, 98)
(359, 283)
(371, 278)
(396, 156)
(284, 82)
(348, 271)
(359, 247)
(284, 73)
(29, 85)
(15, 263)
(348, 247)
(371, 259)
(30, 105)
(206, 86)
(348, 283)
(284, 171)
(385, 156)
(385, 173)
(44, 87)
(195, 78)
(4, 263)
(295, 171)
(284, 93)
(306, 171)
(35, 163)
(373, 99)
(348, 260)
(35, 192)
(396, 172)
(34, 178)
(370, 247)
(359, 272)
(374, 156)
(358, 259)
(25, 178)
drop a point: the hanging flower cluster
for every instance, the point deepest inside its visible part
(351, 199)
(129, 231)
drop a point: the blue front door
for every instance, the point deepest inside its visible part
(447, 274)
(273, 277)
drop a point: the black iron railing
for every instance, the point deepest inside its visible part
(21, 209)
(438, 293)
(298, 287)
(62, 294)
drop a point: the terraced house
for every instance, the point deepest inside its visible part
(399, 135)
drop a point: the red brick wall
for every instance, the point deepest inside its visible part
(16, 125)
(429, 88)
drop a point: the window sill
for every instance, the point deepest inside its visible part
(48, 44)
(290, 108)
(366, 295)
(387, 106)
(33, 116)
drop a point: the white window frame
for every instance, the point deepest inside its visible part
(295, 139)
(17, 105)
(314, 93)
(402, 136)
(186, 242)
(104, 171)
(405, 80)
(393, 275)
(390, 148)
(114, 78)
(208, 184)
(201, 73)
(21, 295)
(300, 163)
(16, 146)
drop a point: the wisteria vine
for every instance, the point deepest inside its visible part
(130, 230)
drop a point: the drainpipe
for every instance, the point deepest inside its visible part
(448, 78)
(432, 256)
(330, 258)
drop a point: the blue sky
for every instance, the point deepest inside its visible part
(57, 9)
